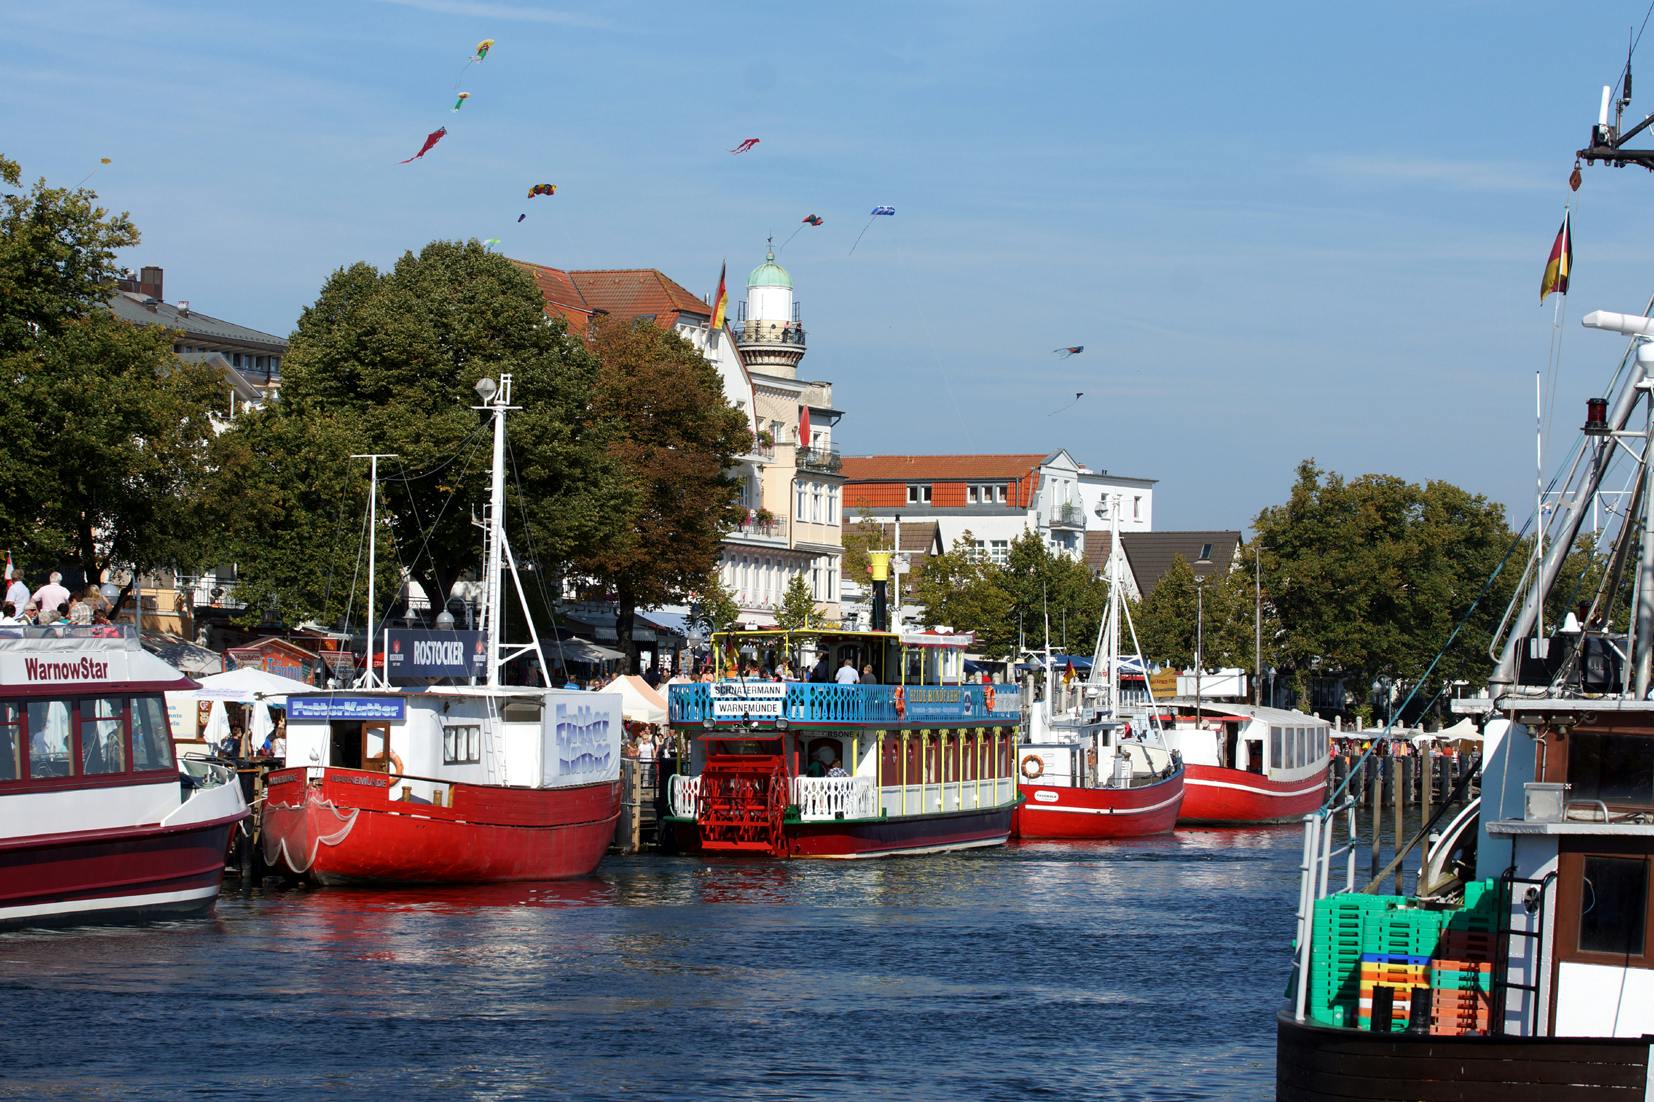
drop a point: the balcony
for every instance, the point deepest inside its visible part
(772, 332)
(762, 703)
(1067, 516)
(820, 459)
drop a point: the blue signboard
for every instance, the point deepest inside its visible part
(382, 708)
(418, 655)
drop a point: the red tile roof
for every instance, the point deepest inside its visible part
(624, 293)
(908, 468)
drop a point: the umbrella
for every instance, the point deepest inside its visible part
(263, 725)
(218, 725)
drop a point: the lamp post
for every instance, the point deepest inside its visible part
(1200, 632)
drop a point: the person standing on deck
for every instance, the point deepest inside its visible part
(52, 596)
(847, 673)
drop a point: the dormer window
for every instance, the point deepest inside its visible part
(918, 494)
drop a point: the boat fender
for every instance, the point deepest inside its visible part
(901, 702)
(1032, 767)
(988, 697)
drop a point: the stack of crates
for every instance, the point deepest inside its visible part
(1461, 969)
(1353, 933)
(1404, 974)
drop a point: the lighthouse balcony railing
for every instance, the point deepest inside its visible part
(773, 332)
(736, 701)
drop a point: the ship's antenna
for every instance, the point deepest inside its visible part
(373, 531)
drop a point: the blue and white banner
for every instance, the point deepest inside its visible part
(416, 655)
(383, 708)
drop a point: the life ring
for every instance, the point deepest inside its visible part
(901, 702)
(988, 697)
(1032, 768)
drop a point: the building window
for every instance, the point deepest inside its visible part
(999, 493)
(818, 511)
(1613, 906)
(1137, 507)
(803, 500)
(918, 495)
(1205, 553)
(999, 552)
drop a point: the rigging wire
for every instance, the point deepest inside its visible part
(534, 557)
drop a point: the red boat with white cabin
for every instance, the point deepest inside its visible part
(449, 783)
(99, 821)
(1084, 771)
(1247, 763)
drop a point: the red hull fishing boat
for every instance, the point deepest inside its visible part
(1248, 764)
(1083, 773)
(921, 763)
(98, 819)
(448, 783)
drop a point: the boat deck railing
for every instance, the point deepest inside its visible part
(824, 799)
(1316, 877)
(738, 700)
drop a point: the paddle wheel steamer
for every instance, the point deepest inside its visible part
(450, 784)
(926, 759)
(99, 821)
(1522, 968)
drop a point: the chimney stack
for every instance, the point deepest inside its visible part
(149, 282)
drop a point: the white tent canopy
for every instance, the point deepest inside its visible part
(248, 684)
(638, 702)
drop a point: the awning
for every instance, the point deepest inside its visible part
(581, 652)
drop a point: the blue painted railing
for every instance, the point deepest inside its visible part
(807, 702)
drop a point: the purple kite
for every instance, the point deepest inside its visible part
(430, 141)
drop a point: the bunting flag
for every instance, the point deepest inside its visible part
(721, 301)
(1561, 264)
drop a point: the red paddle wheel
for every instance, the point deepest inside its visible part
(743, 798)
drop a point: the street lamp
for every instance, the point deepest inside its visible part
(1200, 632)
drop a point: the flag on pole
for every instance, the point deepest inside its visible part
(1561, 264)
(720, 302)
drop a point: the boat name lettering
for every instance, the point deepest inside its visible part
(84, 669)
(748, 690)
(921, 695)
(346, 707)
(365, 782)
(273, 781)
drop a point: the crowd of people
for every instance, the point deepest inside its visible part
(53, 605)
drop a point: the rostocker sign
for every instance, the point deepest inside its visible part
(415, 655)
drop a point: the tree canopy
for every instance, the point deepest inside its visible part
(674, 438)
(107, 430)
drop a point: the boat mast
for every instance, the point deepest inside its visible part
(496, 401)
(1112, 639)
(373, 532)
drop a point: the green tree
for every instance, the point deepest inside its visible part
(1051, 591)
(107, 430)
(712, 606)
(798, 606)
(967, 593)
(675, 437)
(1369, 576)
(1219, 611)
(388, 360)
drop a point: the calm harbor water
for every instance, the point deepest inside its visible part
(1136, 970)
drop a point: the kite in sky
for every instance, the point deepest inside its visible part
(520, 217)
(745, 145)
(1078, 394)
(482, 49)
(876, 212)
(542, 189)
(808, 220)
(489, 243)
(430, 142)
(101, 162)
(460, 102)
(1071, 350)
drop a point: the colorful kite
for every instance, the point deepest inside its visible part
(490, 242)
(430, 141)
(745, 145)
(542, 189)
(1078, 394)
(1071, 350)
(808, 220)
(876, 212)
(482, 49)
(460, 102)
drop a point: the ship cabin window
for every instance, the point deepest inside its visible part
(1277, 744)
(1613, 906)
(43, 740)
(461, 744)
(1616, 769)
(1254, 755)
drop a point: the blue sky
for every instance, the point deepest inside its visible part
(1280, 230)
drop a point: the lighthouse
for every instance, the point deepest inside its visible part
(772, 335)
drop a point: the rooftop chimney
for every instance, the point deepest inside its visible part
(149, 282)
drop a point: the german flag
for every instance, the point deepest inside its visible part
(1561, 263)
(720, 302)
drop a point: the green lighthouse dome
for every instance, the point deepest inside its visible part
(770, 274)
